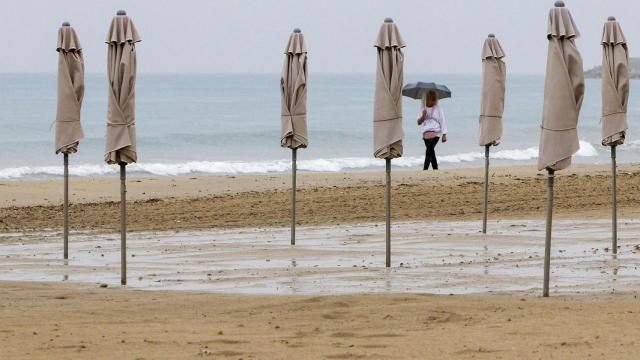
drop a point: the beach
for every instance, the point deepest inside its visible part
(211, 271)
(183, 188)
(89, 322)
(204, 202)
(212, 274)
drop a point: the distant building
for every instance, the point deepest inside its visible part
(634, 70)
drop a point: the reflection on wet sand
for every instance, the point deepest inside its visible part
(453, 258)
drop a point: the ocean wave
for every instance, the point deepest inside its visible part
(635, 144)
(586, 150)
(271, 166)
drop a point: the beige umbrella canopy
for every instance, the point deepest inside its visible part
(70, 94)
(615, 95)
(293, 90)
(121, 131)
(563, 92)
(387, 108)
(494, 74)
(615, 84)
(293, 119)
(121, 69)
(70, 91)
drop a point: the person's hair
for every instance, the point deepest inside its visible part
(430, 98)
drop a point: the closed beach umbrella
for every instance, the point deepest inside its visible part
(494, 73)
(70, 94)
(563, 93)
(293, 91)
(121, 131)
(615, 95)
(387, 108)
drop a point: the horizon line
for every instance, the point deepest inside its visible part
(256, 73)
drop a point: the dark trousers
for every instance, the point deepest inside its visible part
(430, 155)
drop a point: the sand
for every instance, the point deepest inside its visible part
(47, 321)
(170, 203)
(593, 313)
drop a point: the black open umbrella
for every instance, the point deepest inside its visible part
(416, 90)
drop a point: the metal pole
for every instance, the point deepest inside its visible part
(293, 194)
(123, 224)
(388, 213)
(66, 206)
(547, 242)
(614, 202)
(486, 189)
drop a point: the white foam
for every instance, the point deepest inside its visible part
(272, 166)
(74, 170)
(586, 149)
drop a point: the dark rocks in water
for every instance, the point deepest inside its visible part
(634, 70)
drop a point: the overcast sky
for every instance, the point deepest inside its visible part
(210, 36)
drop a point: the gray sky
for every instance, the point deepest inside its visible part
(443, 36)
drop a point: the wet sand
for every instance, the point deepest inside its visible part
(445, 257)
(182, 203)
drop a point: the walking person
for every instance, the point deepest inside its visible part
(434, 127)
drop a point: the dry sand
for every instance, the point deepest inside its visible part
(76, 320)
(262, 201)
(53, 321)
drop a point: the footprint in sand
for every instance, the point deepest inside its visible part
(343, 334)
(346, 356)
(334, 315)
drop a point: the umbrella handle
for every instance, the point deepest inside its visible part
(66, 206)
(388, 213)
(123, 223)
(486, 190)
(294, 169)
(547, 242)
(614, 203)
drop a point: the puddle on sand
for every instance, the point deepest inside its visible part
(428, 257)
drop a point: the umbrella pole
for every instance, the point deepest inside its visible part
(547, 242)
(388, 213)
(66, 206)
(614, 202)
(123, 224)
(294, 169)
(486, 189)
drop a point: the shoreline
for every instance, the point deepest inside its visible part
(44, 192)
(206, 202)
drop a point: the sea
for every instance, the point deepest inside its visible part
(217, 124)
